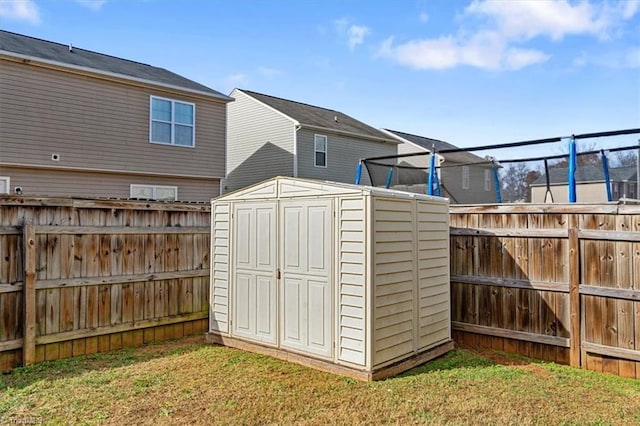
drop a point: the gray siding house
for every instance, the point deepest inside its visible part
(80, 123)
(465, 178)
(269, 136)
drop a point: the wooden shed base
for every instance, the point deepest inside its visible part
(330, 367)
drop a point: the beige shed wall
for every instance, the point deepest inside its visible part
(97, 124)
(394, 272)
(352, 279)
(93, 184)
(433, 274)
(219, 296)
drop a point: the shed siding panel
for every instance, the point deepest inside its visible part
(259, 145)
(352, 280)
(219, 313)
(97, 124)
(433, 274)
(393, 279)
(343, 154)
(88, 184)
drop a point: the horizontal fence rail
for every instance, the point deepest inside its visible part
(85, 276)
(552, 282)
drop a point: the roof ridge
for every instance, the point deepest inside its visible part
(80, 48)
(290, 100)
(423, 137)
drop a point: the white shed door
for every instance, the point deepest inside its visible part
(305, 235)
(254, 272)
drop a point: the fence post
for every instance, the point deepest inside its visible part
(574, 297)
(29, 293)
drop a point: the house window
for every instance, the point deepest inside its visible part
(172, 122)
(154, 192)
(465, 177)
(4, 185)
(487, 180)
(320, 150)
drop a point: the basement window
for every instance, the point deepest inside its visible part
(4, 185)
(154, 192)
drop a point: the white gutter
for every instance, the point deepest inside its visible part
(86, 70)
(295, 149)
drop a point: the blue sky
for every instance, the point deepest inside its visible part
(468, 72)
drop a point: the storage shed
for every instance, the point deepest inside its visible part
(345, 278)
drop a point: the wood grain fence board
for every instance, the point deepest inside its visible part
(473, 220)
(509, 267)
(115, 228)
(592, 308)
(608, 278)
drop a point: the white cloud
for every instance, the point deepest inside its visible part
(269, 72)
(519, 58)
(493, 34)
(423, 17)
(94, 5)
(528, 19)
(20, 10)
(630, 8)
(356, 34)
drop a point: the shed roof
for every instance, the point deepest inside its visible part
(283, 187)
(584, 174)
(315, 116)
(33, 48)
(428, 143)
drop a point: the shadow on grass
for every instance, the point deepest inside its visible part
(469, 359)
(21, 377)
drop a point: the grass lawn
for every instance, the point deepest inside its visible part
(188, 382)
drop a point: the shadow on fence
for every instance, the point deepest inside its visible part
(557, 283)
(85, 276)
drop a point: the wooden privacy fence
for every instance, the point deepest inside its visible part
(553, 282)
(84, 276)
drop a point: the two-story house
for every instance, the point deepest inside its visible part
(269, 136)
(465, 178)
(80, 123)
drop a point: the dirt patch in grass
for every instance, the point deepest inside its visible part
(189, 382)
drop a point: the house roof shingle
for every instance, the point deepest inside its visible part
(428, 143)
(18, 44)
(315, 116)
(559, 175)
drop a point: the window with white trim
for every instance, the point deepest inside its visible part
(172, 122)
(320, 150)
(5, 186)
(154, 192)
(487, 180)
(465, 177)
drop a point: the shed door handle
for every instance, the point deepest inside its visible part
(278, 273)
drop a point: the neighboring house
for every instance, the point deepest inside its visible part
(80, 123)
(269, 136)
(590, 185)
(465, 178)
